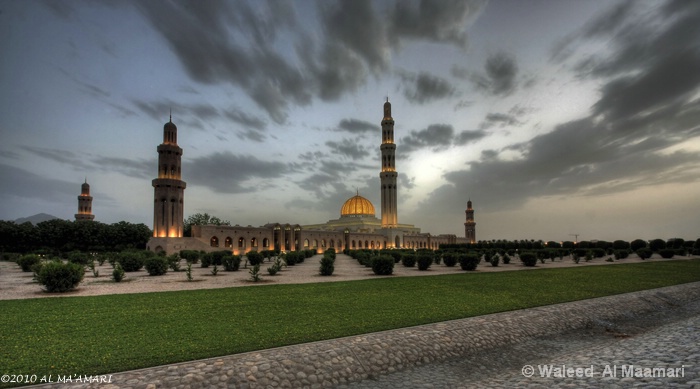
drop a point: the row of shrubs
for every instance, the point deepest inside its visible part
(382, 261)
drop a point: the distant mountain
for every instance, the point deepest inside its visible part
(36, 219)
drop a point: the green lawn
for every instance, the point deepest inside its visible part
(103, 334)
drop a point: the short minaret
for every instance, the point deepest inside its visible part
(84, 204)
(388, 174)
(169, 189)
(470, 225)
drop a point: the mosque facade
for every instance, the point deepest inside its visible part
(358, 227)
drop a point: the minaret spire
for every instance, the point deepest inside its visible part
(388, 174)
(169, 188)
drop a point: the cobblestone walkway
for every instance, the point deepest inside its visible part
(607, 356)
(647, 329)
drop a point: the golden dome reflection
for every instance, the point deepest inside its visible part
(357, 206)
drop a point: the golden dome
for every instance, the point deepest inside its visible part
(357, 206)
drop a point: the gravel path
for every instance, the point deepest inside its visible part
(15, 284)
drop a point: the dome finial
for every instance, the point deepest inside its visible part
(171, 114)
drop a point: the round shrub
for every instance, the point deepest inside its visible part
(644, 253)
(495, 260)
(666, 253)
(27, 261)
(657, 244)
(190, 256)
(449, 259)
(528, 259)
(79, 258)
(468, 262)
(327, 265)
(408, 260)
(598, 253)
(206, 260)
(58, 277)
(156, 266)
(254, 258)
(130, 261)
(292, 258)
(621, 254)
(231, 262)
(424, 260)
(506, 259)
(383, 265)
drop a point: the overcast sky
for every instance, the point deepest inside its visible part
(554, 117)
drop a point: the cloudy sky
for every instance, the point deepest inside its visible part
(554, 117)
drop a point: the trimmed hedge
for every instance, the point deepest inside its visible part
(27, 261)
(156, 266)
(231, 262)
(449, 259)
(58, 277)
(254, 258)
(130, 260)
(468, 262)
(424, 260)
(528, 258)
(383, 265)
(408, 260)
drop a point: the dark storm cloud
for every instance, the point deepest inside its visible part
(206, 38)
(640, 37)
(466, 136)
(142, 168)
(255, 136)
(501, 70)
(32, 186)
(435, 137)
(423, 88)
(61, 156)
(225, 172)
(674, 77)
(440, 21)
(499, 119)
(239, 43)
(369, 41)
(245, 119)
(347, 148)
(357, 126)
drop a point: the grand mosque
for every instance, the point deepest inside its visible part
(358, 227)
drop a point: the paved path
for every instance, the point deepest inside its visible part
(606, 356)
(484, 351)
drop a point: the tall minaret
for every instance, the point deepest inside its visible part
(169, 189)
(388, 174)
(84, 204)
(470, 225)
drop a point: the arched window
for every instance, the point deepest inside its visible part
(332, 243)
(241, 243)
(359, 244)
(353, 244)
(366, 244)
(266, 243)
(306, 243)
(228, 242)
(214, 241)
(315, 243)
(323, 243)
(254, 242)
